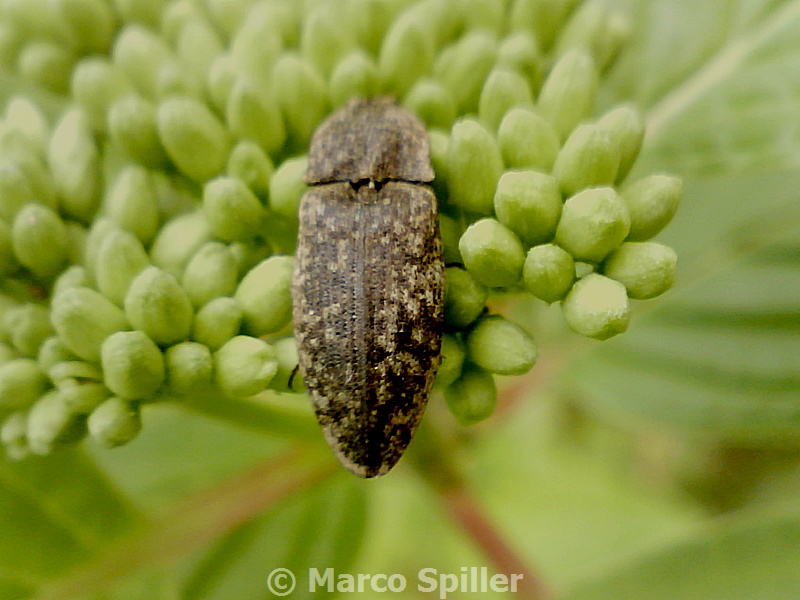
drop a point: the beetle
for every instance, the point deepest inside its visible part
(368, 282)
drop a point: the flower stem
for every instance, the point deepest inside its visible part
(433, 462)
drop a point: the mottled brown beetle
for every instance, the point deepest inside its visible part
(368, 282)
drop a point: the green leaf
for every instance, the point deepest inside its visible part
(322, 527)
(721, 353)
(719, 80)
(62, 499)
(739, 560)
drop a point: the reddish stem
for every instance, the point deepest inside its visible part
(473, 520)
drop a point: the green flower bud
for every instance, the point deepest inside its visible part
(74, 276)
(265, 296)
(593, 223)
(173, 80)
(82, 397)
(245, 366)
(40, 241)
(197, 46)
(302, 97)
(185, 125)
(549, 272)
(28, 325)
(646, 269)
(287, 187)
(473, 396)
(492, 253)
(217, 322)
(176, 16)
(132, 125)
(115, 422)
(32, 18)
(178, 240)
(519, 51)
(324, 38)
(464, 298)
(544, 18)
(250, 164)
(15, 189)
(21, 383)
(499, 346)
(473, 166)
(159, 306)
(73, 370)
(452, 362)
(597, 307)
(26, 116)
(450, 231)
(46, 63)
(132, 203)
(16, 145)
(53, 351)
(211, 272)
(594, 29)
(406, 54)
(432, 102)
(369, 20)
(189, 368)
(133, 366)
(14, 436)
(589, 158)
(626, 127)
(96, 83)
(142, 54)
(232, 210)
(120, 259)
(83, 318)
(355, 75)
(101, 227)
(652, 202)
(51, 424)
(251, 114)
(259, 41)
(221, 78)
(504, 89)
(75, 164)
(39, 178)
(529, 204)
(286, 355)
(568, 93)
(463, 67)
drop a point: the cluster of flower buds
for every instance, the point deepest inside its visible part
(149, 190)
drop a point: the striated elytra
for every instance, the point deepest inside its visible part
(368, 282)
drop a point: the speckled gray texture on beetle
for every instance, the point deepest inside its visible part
(368, 282)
